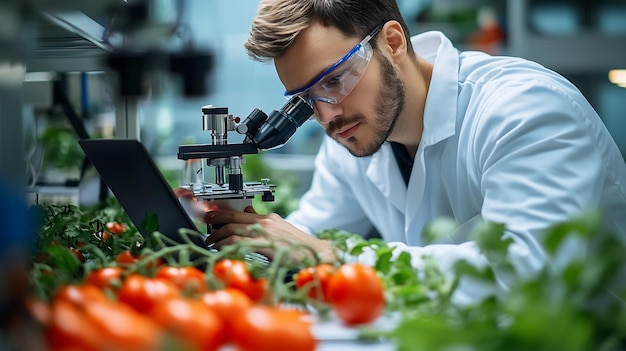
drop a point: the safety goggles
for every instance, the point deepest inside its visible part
(335, 83)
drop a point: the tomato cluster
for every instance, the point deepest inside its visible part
(120, 309)
(119, 291)
(82, 317)
(354, 291)
(103, 236)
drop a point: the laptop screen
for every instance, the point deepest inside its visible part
(133, 177)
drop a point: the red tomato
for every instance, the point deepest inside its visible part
(264, 328)
(189, 279)
(80, 295)
(70, 329)
(234, 274)
(228, 304)
(126, 258)
(122, 328)
(192, 321)
(116, 227)
(39, 310)
(106, 278)
(79, 255)
(143, 293)
(356, 294)
(315, 280)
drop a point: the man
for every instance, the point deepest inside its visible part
(418, 130)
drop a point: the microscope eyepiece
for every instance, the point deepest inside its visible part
(274, 131)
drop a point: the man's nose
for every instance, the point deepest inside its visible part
(326, 112)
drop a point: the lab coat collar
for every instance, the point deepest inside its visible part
(440, 111)
(439, 123)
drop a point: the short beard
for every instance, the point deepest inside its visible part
(390, 104)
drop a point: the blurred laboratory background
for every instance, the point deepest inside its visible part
(67, 92)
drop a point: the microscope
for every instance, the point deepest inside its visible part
(262, 132)
(155, 43)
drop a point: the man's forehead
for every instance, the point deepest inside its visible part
(314, 50)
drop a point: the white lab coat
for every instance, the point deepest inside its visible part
(504, 140)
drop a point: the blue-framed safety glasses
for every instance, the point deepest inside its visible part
(335, 83)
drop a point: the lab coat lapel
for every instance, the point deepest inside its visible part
(415, 190)
(440, 115)
(384, 173)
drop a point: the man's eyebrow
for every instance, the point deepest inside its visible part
(317, 75)
(324, 72)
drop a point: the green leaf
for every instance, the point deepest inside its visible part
(62, 258)
(438, 229)
(584, 225)
(383, 259)
(404, 259)
(465, 269)
(358, 248)
(489, 237)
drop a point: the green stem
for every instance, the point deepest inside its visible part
(91, 248)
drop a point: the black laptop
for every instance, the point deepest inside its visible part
(133, 177)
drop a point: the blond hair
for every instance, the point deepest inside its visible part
(279, 22)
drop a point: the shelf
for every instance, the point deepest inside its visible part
(589, 51)
(53, 194)
(67, 41)
(585, 52)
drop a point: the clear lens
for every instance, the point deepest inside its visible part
(333, 85)
(340, 82)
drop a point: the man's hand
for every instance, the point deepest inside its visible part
(194, 208)
(233, 227)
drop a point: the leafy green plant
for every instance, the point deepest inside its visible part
(576, 302)
(73, 241)
(61, 151)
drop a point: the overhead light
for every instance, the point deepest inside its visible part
(39, 76)
(618, 77)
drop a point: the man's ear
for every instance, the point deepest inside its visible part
(394, 41)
